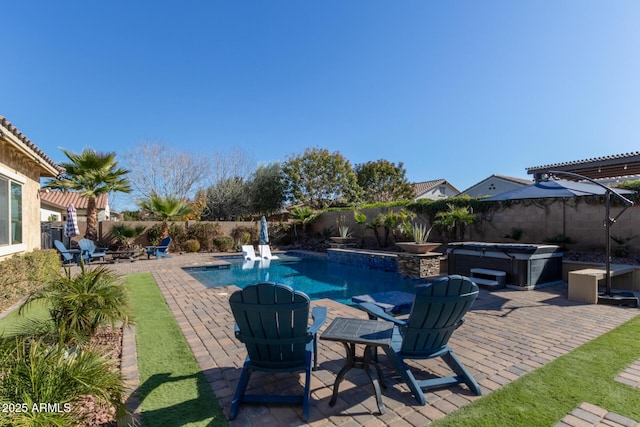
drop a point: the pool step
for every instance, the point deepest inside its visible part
(491, 279)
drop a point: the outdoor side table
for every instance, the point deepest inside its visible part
(350, 332)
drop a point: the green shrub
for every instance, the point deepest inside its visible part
(79, 305)
(178, 235)
(244, 235)
(22, 274)
(154, 233)
(33, 372)
(204, 233)
(223, 244)
(192, 245)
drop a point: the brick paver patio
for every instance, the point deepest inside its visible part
(506, 334)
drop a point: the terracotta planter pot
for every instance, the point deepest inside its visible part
(417, 248)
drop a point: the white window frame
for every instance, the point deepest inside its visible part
(11, 176)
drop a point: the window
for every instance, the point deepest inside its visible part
(10, 212)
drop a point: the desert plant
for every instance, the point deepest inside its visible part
(343, 230)
(204, 233)
(453, 222)
(560, 240)
(375, 225)
(622, 250)
(361, 220)
(303, 215)
(166, 209)
(33, 372)
(192, 245)
(243, 235)
(516, 234)
(124, 233)
(223, 243)
(420, 233)
(82, 303)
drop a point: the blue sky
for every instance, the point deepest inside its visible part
(457, 90)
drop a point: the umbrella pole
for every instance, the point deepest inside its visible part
(607, 224)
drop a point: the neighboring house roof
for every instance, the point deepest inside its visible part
(420, 188)
(62, 199)
(511, 179)
(614, 166)
(23, 143)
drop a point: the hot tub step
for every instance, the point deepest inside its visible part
(489, 284)
(492, 279)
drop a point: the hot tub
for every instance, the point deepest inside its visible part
(527, 265)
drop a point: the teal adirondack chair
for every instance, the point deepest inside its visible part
(271, 320)
(438, 310)
(68, 256)
(161, 250)
(90, 252)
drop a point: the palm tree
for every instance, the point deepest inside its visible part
(91, 174)
(79, 305)
(166, 209)
(303, 215)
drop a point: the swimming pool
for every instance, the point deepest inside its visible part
(312, 275)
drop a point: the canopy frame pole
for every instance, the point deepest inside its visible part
(608, 221)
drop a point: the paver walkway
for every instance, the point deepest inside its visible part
(506, 334)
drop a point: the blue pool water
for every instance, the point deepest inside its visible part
(314, 276)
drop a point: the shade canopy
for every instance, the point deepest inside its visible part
(264, 233)
(72, 222)
(554, 188)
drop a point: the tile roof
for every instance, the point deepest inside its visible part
(28, 144)
(62, 199)
(513, 179)
(422, 187)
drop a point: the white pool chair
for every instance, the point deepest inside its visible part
(265, 252)
(249, 253)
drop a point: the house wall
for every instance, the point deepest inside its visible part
(21, 168)
(439, 192)
(491, 187)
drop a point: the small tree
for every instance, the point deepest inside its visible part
(303, 215)
(267, 190)
(318, 178)
(165, 209)
(383, 181)
(80, 304)
(91, 174)
(453, 222)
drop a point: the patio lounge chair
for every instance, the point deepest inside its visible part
(265, 252)
(271, 320)
(161, 250)
(249, 253)
(90, 252)
(438, 309)
(67, 255)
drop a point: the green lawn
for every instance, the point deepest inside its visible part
(172, 389)
(544, 396)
